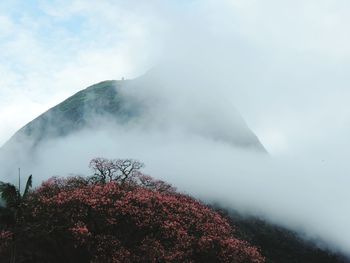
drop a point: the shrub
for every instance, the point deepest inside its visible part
(74, 220)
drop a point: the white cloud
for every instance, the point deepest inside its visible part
(46, 60)
(284, 64)
(283, 59)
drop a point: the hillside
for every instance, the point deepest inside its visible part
(74, 114)
(109, 100)
(108, 218)
(134, 219)
(278, 244)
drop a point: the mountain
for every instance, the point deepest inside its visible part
(278, 244)
(128, 103)
(112, 100)
(74, 114)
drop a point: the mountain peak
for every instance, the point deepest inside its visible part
(110, 99)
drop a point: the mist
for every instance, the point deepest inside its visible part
(216, 68)
(191, 144)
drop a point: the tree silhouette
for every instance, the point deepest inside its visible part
(119, 170)
(10, 214)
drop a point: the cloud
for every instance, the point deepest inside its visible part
(50, 56)
(282, 60)
(307, 193)
(284, 65)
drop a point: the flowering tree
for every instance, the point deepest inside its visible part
(122, 216)
(153, 184)
(112, 223)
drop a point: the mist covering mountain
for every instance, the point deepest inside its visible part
(75, 113)
(149, 104)
(112, 101)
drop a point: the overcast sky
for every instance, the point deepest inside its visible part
(287, 61)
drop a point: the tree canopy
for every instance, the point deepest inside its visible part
(77, 219)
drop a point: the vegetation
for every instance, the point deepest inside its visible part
(11, 214)
(278, 244)
(120, 215)
(80, 111)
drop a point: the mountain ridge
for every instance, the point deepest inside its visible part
(105, 99)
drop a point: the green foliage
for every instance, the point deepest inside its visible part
(102, 99)
(10, 194)
(27, 187)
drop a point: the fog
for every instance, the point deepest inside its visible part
(218, 68)
(186, 143)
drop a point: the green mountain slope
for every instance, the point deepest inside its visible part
(106, 100)
(75, 113)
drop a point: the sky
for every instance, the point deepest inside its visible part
(282, 64)
(287, 61)
(56, 48)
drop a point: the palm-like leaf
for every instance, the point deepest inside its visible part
(28, 186)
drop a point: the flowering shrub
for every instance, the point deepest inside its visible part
(113, 222)
(153, 184)
(118, 215)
